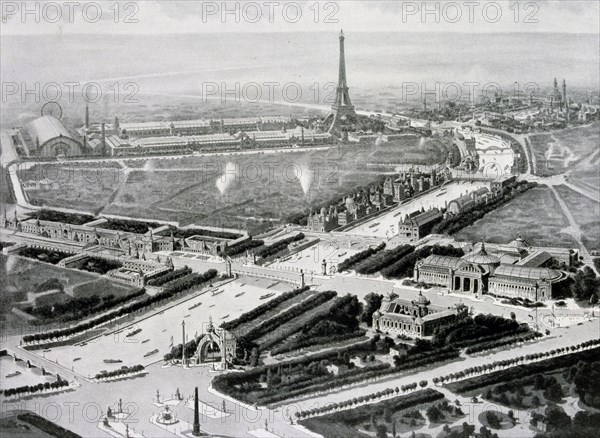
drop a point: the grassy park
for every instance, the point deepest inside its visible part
(535, 215)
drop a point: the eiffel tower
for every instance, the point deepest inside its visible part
(343, 105)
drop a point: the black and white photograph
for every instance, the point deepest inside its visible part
(300, 219)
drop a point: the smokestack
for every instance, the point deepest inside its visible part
(564, 86)
(87, 116)
(103, 136)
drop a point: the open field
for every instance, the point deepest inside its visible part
(587, 178)
(247, 190)
(161, 328)
(555, 153)
(412, 149)
(387, 225)
(84, 186)
(586, 213)
(535, 215)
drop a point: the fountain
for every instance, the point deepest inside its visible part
(166, 417)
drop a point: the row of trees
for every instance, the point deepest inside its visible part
(182, 284)
(351, 261)
(189, 281)
(484, 346)
(341, 311)
(500, 374)
(271, 324)
(382, 260)
(34, 389)
(240, 248)
(361, 413)
(82, 307)
(121, 372)
(280, 245)
(481, 326)
(262, 309)
(324, 332)
(59, 216)
(491, 338)
(189, 232)
(129, 226)
(340, 323)
(405, 266)
(169, 276)
(453, 224)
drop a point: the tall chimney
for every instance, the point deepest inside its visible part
(87, 116)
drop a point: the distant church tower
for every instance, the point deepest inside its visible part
(343, 105)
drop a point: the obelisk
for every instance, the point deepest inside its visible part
(196, 431)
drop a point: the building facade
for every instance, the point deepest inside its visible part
(415, 318)
(419, 224)
(481, 273)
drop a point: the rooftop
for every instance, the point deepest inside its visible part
(444, 261)
(527, 272)
(46, 128)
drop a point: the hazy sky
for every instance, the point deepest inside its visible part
(155, 17)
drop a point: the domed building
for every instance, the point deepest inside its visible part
(555, 98)
(479, 272)
(485, 260)
(415, 318)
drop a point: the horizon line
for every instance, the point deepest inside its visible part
(296, 32)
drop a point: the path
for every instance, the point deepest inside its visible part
(574, 230)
